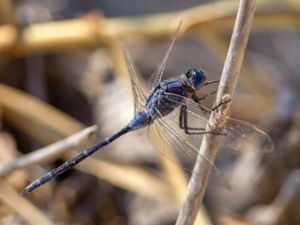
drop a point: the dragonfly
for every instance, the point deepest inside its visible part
(175, 118)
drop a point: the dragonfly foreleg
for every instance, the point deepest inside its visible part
(211, 82)
(221, 103)
(199, 99)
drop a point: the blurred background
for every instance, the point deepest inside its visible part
(62, 69)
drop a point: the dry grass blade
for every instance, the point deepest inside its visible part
(34, 117)
(8, 37)
(7, 14)
(226, 219)
(130, 178)
(50, 152)
(23, 207)
(216, 121)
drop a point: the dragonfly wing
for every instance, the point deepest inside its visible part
(138, 93)
(157, 75)
(239, 135)
(171, 144)
(243, 136)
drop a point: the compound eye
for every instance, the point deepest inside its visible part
(195, 78)
(189, 73)
(190, 77)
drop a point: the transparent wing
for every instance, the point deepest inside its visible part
(157, 75)
(239, 135)
(138, 93)
(171, 144)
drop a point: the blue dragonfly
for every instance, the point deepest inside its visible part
(175, 118)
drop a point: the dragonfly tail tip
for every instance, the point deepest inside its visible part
(25, 191)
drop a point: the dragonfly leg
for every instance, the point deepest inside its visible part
(211, 82)
(183, 124)
(199, 99)
(220, 104)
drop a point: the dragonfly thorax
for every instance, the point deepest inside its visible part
(165, 97)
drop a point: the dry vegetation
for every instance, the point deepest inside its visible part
(62, 73)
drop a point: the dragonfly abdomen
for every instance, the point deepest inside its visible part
(70, 164)
(140, 120)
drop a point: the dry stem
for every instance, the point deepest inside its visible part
(50, 152)
(216, 121)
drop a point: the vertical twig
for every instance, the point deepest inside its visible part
(216, 121)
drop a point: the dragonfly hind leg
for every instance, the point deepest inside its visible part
(183, 124)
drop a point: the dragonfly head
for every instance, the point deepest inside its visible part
(195, 78)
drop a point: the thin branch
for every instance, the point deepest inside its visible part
(208, 149)
(49, 152)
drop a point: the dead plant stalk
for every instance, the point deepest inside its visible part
(208, 149)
